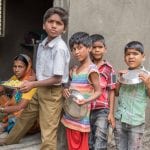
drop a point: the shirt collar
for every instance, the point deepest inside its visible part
(141, 68)
(105, 62)
(51, 43)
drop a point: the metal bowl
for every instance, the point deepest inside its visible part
(131, 77)
(72, 108)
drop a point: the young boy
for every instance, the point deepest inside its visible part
(102, 112)
(132, 101)
(84, 78)
(51, 71)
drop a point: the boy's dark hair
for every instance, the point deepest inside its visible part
(57, 10)
(135, 45)
(80, 38)
(98, 37)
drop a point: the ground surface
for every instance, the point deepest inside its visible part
(32, 142)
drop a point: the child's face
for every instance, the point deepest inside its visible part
(54, 26)
(80, 52)
(133, 58)
(98, 50)
(19, 69)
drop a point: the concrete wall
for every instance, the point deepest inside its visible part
(120, 21)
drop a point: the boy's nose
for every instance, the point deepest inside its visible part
(54, 25)
(76, 51)
(131, 56)
(97, 49)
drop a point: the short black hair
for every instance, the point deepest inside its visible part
(57, 10)
(80, 38)
(97, 37)
(134, 45)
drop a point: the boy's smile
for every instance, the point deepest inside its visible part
(133, 58)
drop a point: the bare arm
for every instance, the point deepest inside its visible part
(9, 109)
(94, 78)
(146, 79)
(26, 86)
(118, 85)
(111, 118)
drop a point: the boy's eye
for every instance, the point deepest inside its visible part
(79, 47)
(56, 22)
(134, 53)
(50, 21)
(97, 47)
(59, 23)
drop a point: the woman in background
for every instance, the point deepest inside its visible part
(13, 103)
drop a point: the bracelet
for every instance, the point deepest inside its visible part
(2, 109)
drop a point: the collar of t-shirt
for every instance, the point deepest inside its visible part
(46, 43)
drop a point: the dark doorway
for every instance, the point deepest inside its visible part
(22, 17)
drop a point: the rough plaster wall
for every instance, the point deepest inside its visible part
(62, 3)
(120, 21)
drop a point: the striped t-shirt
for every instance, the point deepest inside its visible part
(80, 81)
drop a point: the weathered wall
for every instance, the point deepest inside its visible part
(120, 21)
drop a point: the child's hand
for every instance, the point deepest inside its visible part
(145, 78)
(66, 92)
(111, 120)
(25, 86)
(80, 101)
(121, 72)
(1, 88)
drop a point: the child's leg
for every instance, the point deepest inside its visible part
(23, 123)
(146, 139)
(77, 140)
(100, 127)
(121, 136)
(135, 137)
(50, 107)
(91, 135)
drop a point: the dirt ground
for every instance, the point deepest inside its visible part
(32, 142)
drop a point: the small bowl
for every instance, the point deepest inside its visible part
(131, 77)
(72, 108)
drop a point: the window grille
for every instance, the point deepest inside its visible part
(2, 18)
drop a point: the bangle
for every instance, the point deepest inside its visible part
(2, 109)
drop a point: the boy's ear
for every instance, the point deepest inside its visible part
(64, 31)
(43, 27)
(90, 49)
(143, 57)
(105, 49)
